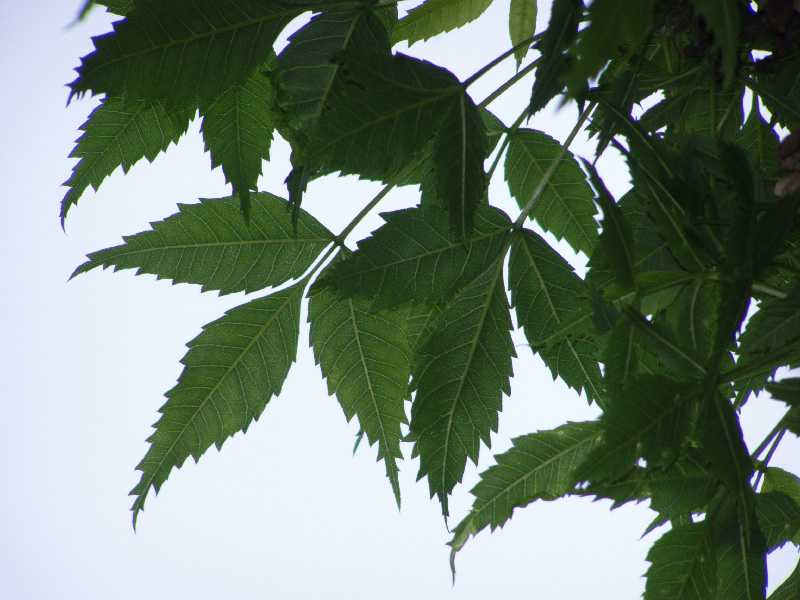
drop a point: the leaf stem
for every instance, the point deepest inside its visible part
(509, 132)
(502, 89)
(481, 72)
(551, 169)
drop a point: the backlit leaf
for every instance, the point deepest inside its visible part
(231, 371)
(521, 25)
(776, 324)
(433, 17)
(209, 244)
(779, 518)
(682, 564)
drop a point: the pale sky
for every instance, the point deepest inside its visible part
(284, 511)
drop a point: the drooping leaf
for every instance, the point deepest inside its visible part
(544, 290)
(119, 134)
(231, 371)
(209, 244)
(779, 518)
(414, 258)
(365, 357)
(305, 74)
(433, 17)
(521, 25)
(565, 17)
(179, 52)
(462, 372)
(775, 325)
(565, 208)
(722, 20)
(459, 149)
(237, 131)
(682, 564)
(537, 467)
(390, 111)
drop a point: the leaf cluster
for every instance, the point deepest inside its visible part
(412, 329)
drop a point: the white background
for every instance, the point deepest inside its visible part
(284, 511)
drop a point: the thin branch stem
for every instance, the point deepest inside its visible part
(513, 80)
(481, 72)
(510, 132)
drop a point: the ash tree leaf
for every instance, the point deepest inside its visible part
(461, 374)
(565, 208)
(433, 17)
(365, 357)
(415, 259)
(565, 17)
(305, 74)
(779, 518)
(722, 19)
(231, 371)
(685, 487)
(741, 555)
(459, 149)
(390, 110)
(682, 564)
(209, 244)
(774, 326)
(237, 131)
(420, 321)
(544, 291)
(537, 467)
(521, 25)
(182, 52)
(119, 134)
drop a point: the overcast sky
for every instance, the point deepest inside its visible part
(284, 511)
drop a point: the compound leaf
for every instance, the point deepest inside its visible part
(433, 17)
(462, 372)
(119, 134)
(209, 244)
(231, 371)
(565, 208)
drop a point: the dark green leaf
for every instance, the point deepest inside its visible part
(463, 370)
(565, 208)
(774, 326)
(209, 244)
(433, 17)
(780, 91)
(779, 518)
(179, 52)
(741, 555)
(787, 390)
(544, 290)
(414, 258)
(231, 371)
(366, 359)
(420, 321)
(237, 130)
(761, 141)
(119, 134)
(722, 20)
(537, 467)
(685, 487)
(682, 565)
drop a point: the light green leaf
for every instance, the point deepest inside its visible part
(565, 208)
(209, 244)
(433, 17)
(231, 371)
(779, 518)
(414, 258)
(463, 370)
(544, 291)
(682, 564)
(420, 321)
(119, 134)
(459, 149)
(237, 131)
(180, 52)
(537, 467)
(521, 25)
(365, 357)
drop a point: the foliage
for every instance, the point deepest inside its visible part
(656, 333)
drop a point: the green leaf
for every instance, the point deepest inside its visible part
(420, 321)
(237, 130)
(790, 588)
(390, 110)
(305, 74)
(687, 486)
(565, 208)
(544, 291)
(209, 244)
(778, 480)
(365, 357)
(722, 20)
(433, 17)
(780, 91)
(459, 149)
(119, 134)
(463, 370)
(787, 390)
(180, 52)
(779, 518)
(537, 467)
(565, 17)
(521, 25)
(682, 564)
(231, 371)
(117, 7)
(774, 326)
(741, 555)
(414, 258)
